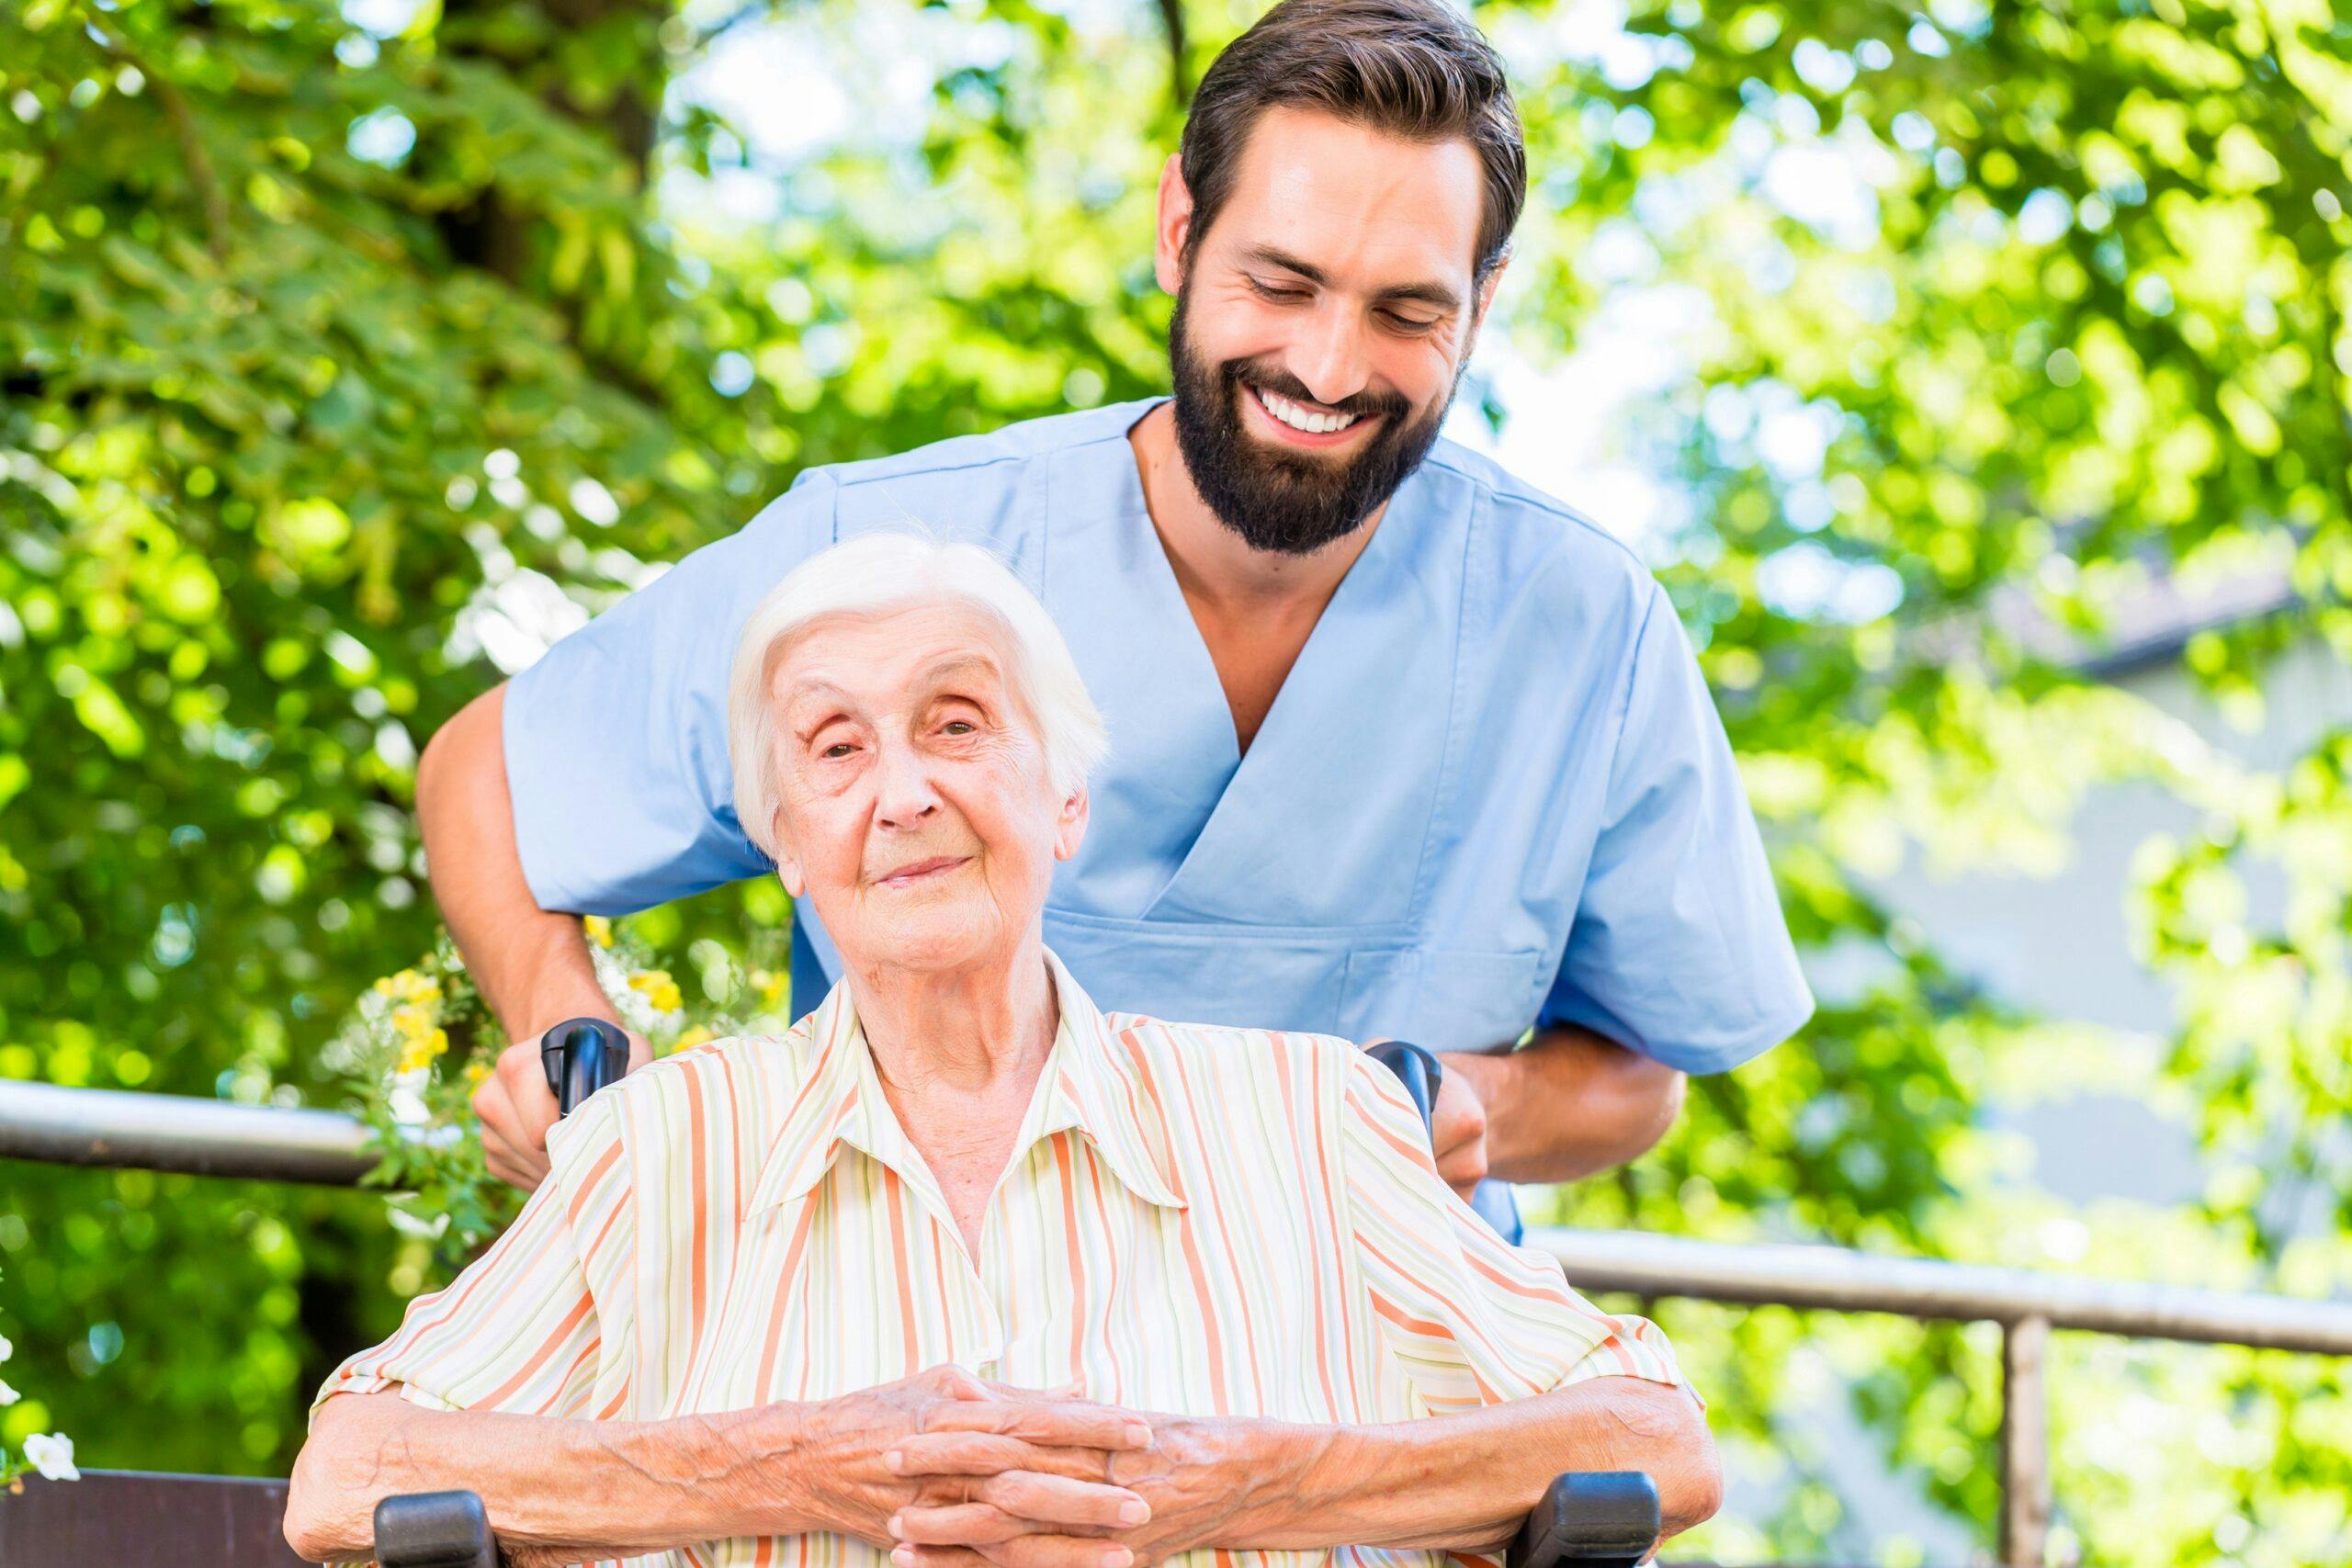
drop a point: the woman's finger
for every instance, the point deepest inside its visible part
(953, 1381)
(1030, 1499)
(989, 1453)
(1057, 1552)
(1063, 1422)
(1058, 1500)
(955, 1524)
(1014, 1551)
(908, 1555)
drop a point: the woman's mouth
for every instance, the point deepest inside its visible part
(921, 871)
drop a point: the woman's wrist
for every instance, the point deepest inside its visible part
(1240, 1482)
(1331, 1488)
(1387, 1483)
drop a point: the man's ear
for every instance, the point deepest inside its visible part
(1487, 292)
(1069, 825)
(1175, 224)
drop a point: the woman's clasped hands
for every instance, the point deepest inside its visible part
(994, 1476)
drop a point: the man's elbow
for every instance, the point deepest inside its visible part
(1662, 1093)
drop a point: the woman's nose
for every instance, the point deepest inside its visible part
(904, 794)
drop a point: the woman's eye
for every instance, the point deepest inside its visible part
(957, 726)
(837, 749)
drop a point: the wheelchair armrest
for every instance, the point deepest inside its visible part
(434, 1529)
(1591, 1519)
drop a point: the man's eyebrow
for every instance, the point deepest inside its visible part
(1434, 294)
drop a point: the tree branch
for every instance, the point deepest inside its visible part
(193, 156)
(1179, 84)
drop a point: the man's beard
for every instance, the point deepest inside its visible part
(1292, 503)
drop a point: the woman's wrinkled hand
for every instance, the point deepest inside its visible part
(1195, 1479)
(998, 1461)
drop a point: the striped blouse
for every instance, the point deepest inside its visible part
(1198, 1220)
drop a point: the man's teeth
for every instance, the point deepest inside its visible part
(1308, 419)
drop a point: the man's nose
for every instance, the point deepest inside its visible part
(904, 794)
(1331, 362)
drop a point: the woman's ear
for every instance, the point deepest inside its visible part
(787, 865)
(1070, 824)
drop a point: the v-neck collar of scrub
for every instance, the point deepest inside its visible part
(1373, 680)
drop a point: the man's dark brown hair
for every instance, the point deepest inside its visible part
(1415, 69)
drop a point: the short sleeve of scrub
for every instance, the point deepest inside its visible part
(1678, 948)
(615, 740)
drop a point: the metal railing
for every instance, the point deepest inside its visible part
(151, 1132)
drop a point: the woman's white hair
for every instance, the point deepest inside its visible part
(879, 574)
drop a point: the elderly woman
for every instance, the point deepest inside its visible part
(962, 1269)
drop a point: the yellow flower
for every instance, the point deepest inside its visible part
(476, 1072)
(599, 928)
(695, 1036)
(409, 986)
(660, 991)
(768, 984)
(413, 1024)
(424, 1051)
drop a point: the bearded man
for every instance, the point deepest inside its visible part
(1400, 747)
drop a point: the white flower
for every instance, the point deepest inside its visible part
(7, 1349)
(52, 1455)
(7, 1395)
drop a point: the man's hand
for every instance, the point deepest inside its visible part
(516, 1108)
(1458, 1119)
(1458, 1129)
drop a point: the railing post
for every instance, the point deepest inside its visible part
(2025, 1444)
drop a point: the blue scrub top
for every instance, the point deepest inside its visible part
(1493, 791)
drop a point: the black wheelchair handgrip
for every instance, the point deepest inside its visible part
(434, 1529)
(1420, 1073)
(1590, 1519)
(579, 1056)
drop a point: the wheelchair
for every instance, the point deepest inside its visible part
(1585, 1520)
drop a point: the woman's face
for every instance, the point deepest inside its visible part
(915, 811)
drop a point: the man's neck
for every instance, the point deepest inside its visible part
(1221, 572)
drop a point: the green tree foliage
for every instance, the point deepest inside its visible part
(339, 366)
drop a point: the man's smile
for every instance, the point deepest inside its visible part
(1304, 424)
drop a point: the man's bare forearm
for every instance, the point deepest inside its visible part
(531, 963)
(1465, 1481)
(557, 1491)
(1569, 1103)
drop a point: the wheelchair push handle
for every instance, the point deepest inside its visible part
(1420, 1073)
(579, 1056)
